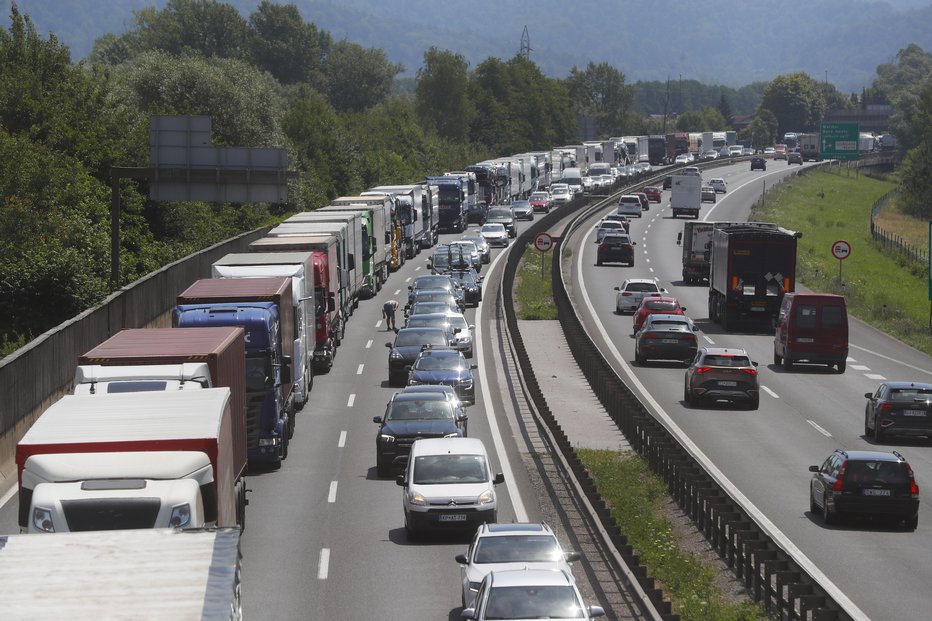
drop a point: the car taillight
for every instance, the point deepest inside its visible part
(841, 476)
(649, 335)
(603, 246)
(886, 407)
(690, 337)
(703, 369)
(750, 371)
(626, 293)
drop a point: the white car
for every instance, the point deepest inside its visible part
(735, 150)
(494, 233)
(448, 485)
(629, 205)
(632, 291)
(588, 184)
(718, 184)
(560, 193)
(521, 545)
(683, 158)
(608, 226)
(530, 594)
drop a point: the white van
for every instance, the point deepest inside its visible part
(448, 485)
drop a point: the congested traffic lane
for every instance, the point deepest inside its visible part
(803, 415)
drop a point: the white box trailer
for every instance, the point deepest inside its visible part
(352, 220)
(685, 195)
(130, 574)
(418, 210)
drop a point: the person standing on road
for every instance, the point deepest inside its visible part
(388, 312)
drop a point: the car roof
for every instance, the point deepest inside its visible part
(901, 385)
(407, 397)
(871, 455)
(724, 351)
(448, 446)
(667, 317)
(516, 528)
(639, 280)
(529, 577)
(435, 330)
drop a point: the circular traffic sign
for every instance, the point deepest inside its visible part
(841, 250)
(543, 242)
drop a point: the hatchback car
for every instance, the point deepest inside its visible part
(718, 184)
(653, 193)
(794, 158)
(898, 409)
(447, 367)
(531, 594)
(707, 194)
(409, 417)
(540, 201)
(758, 163)
(630, 205)
(871, 483)
(632, 291)
(408, 344)
(522, 210)
(495, 234)
(505, 217)
(616, 247)
(626, 224)
(520, 545)
(459, 408)
(608, 226)
(779, 152)
(448, 485)
(649, 306)
(719, 373)
(666, 337)
(668, 182)
(476, 213)
(683, 158)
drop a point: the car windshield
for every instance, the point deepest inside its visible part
(467, 246)
(643, 287)
(417, 337)
(611, 224)
(479, 241)
(429, 322)
(539, 196)
(726, 360)
(259, 373)
(440, 363)
(493, 228)
(427, 308)
(500, 212)
(432, 282)
(517, 548)
(432, 409)
(658, 305)
(465, 278)
(533, 602)
(434, 296)
(443, 469)
(520, 205)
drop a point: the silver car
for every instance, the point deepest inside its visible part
(530, 594)
(481, 244)
(455, 325)
(495, 234)
(632, 291)
(470, 249)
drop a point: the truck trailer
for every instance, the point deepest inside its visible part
(752, 266)
(685, 195)
(376, 237)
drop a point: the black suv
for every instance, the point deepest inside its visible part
(409, 417)
(869, 483)
(616, 248)
(898, 408)
(758, 162)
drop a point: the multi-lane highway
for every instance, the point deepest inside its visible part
(804, 413)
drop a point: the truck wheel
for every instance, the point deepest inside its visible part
(241, 503)
(841, 366)
(724, 317)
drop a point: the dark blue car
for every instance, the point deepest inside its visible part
(447, 367)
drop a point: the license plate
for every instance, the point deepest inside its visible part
(728, 383)
(804, 340)
(452, 517)
(914, 413)
(876, 492)
(758, 309)
(670, 341)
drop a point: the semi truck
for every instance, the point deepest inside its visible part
(685, 195)
(330, 321)
(132, 574)
(752, 266)
(347, 225)
(417, 210)
(657, 150)
(88, 463)
(264, 308)
(643, 148)
(298, 266)
(376, 236)
(696, 240)
(677, 144)
(809, 146)
(453, 203)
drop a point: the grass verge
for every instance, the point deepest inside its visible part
(881, 288)
(636, 498)
(534, 289)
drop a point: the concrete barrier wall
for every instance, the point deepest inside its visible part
(38, 374)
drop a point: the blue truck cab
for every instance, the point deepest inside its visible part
(453, 202)
(269, 400)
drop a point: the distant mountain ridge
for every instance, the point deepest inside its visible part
(730, 42)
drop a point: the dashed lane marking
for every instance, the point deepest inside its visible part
(332, 496)
(819, 428)
(323, 565)
(874, 376)
(770, 392)
(351, 400)
(359, 369)
(369, 342)
(342, 441)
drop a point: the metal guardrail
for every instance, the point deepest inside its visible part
(772, 575)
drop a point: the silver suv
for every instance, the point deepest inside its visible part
(632, 291)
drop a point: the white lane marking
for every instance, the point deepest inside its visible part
(651, 269)
(397, 292)
(416, 269)
(351, 400)
(408, 279)
(819, 428)
(711, 342)
(859, 367)
(332, 496)
(342, 441)
(889, 359)
(323, 565)
(755, 180)
(516, 503)
(369, 342)
(648, 260)
(378, 324)
(756, 514)
(874, 376)
(850, 359)
(359, 369)
(770, 392)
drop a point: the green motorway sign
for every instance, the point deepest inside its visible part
(839, 141)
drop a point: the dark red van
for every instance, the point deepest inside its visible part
(812, 327)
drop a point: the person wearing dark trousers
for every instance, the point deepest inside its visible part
(388, 312)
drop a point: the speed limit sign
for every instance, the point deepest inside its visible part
(841, 250)
(543, 242)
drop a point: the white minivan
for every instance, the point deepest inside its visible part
(448, 485)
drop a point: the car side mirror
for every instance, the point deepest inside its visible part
(634, 243)
(462, 418)
(461, 559)
(572, 556)
(596, 611)
(869, 395)
(683, 308)
(472, 326)
(813, 468)
(662, 290)
(499, 478)
(410, 287)
(468, 613)
(377, 419)
(400, 480)
(617, 288)
(388, 345)
(695, 328)
(754, 363)
(473, 366)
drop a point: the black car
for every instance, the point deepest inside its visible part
(409, 417)
(898, 408)
(794, 158)
(477, 213)
(758, 162)
(505, 217)
(437, 295)
(666, 337)
(433, 282)
(447, 367)
(616, 248)
(470, 284)
(668, 182)
(408, 344)
(870, 483)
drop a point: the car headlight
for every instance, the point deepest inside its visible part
(416, 498)
(455, 434)
(42, 520)
(396, 355)
(181, 516)
(387, 439)
(465, 338)
(413, 382)
(486, 497)
(474, 586)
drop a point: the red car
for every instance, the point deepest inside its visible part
(653, 194)
(645, 202)
(649, 306)
(540, 201)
